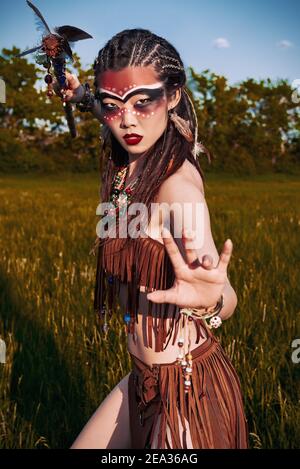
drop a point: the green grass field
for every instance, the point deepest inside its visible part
(58, 367)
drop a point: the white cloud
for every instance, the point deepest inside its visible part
(285, 44)
(221, 43)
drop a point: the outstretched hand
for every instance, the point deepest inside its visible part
(197, 284)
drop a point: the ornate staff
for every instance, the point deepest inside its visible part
(54, 50)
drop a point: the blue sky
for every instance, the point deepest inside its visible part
(235, 38)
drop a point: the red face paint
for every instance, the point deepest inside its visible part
(133, 89)
(133, 101)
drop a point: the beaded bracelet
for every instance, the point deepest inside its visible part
(87, 102)
(184, 357)
(207, 313)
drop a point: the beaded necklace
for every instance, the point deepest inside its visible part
(121, 196)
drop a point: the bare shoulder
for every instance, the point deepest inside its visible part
(187, 176)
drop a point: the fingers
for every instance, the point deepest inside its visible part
(69, 95)
(72, 80)
(73, 93)
(162, 296)
(225, 256)
(188, 237)
(207, 262)
(173, 251)
(191, 253)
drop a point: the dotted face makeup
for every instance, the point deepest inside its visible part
(133, 100)
(133, 90)
(144, 100)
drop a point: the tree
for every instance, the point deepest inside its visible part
(247, 126)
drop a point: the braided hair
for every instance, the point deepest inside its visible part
(141, 47)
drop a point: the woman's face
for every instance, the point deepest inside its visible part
(133, 101)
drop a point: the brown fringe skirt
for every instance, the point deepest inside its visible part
(213, 406)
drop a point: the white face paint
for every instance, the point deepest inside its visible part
(140, 100)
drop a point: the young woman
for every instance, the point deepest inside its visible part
(183, 391)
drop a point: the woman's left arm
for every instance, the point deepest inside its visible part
(201, 274)
(230, 301)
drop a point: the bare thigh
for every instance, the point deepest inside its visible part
(108, 428)
(188, 435)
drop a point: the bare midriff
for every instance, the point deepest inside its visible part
(140, 349)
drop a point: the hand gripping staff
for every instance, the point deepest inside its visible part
(54, 50)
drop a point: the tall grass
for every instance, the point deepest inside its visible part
(58, 368)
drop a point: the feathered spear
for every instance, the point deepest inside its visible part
(54, 50)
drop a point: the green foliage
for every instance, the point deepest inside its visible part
(24, 103)
(249, 128)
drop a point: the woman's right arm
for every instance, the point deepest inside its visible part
(75, 93)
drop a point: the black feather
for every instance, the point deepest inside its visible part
(72, 33)
(40, 16)
(29, 51)
(68, 50)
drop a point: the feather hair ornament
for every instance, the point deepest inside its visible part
(182, 125)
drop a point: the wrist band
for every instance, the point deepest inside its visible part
(87, 102)
(207, 313)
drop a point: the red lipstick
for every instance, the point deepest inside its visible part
(132, 139)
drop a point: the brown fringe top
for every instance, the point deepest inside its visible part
(143, 262)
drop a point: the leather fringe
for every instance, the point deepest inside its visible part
(212, 411)
(143, 261)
